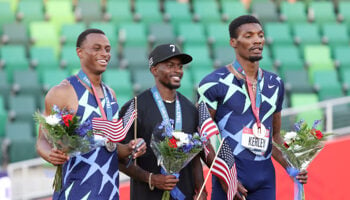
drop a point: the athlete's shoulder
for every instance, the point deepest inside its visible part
(273, 78)
(215, 75)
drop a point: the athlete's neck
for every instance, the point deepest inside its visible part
(166, 93)
(94, 78)
(250, 68)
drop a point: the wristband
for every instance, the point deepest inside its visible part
(151, 187)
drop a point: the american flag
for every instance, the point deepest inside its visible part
(115, 131)
(224, 167)
(206, 123)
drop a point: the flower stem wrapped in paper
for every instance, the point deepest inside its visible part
(300, 147)
(64, 131)
(174, 150)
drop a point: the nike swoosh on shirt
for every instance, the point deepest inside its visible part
(270, 86)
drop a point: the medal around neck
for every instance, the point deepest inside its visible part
(110, 146)
(259, 132)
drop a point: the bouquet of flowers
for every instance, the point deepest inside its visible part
(64, 131)
(300, 147)
(174, 149)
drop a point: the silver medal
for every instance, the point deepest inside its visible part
(259, 132)
(110, 146)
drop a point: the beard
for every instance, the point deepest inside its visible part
(170, 86)
(254, 58)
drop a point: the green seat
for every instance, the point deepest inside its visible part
(133, 34)
(120, 81)
(122, 99)
(52, 77)
(205, 15)
(70, 33)
(109, 29)
(293, 12)
(223, 55)
(325, 79)
(186, 87)
(299, 100)
(60, 12)
(142, 80)
(305, 33)
(27, 82)
(3, 117)
(4, 86)
(318, 57)
(345, 78)
(218, 34)
(341, 116)
(15, 33)
(343, 12)
(44, 34)
(22, 107)
(278, 33)
(229, 6)
(341, 57)
(194, 37)
(135, 62)
(30, 10)
(322, 12)
(265, 11)
(148, 11)
(287, 57)
(200, 55)
(297, 81)
(7, 15)
(330, 92)
(22, 142)
(119, 11)
(177, 12)
(69, 58)
(161, 33)
(266, 62)
(335, 34)
(14, 58)
(88, 11)
(43, 58)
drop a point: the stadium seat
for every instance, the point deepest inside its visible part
(186, 87)
(14, 58)
(7, 15)
(70, 33)
(318, 57)
(133, 34)
(345, 78)
(218, 34)
(88, 11)
(297, 81)
(120, 81)
(42, 59)
(27, 82)
(142, 79)
(44, 34)
(321, 12)
(161, 33)
(119, 11)
(52, 77)
(341, 57)
(4, 87)
(3, 117)
(22, 108)
(265, 11)
(341, 116)
(121, 99)
(305, 33)
(223, 55)
(30, 10)
(177, 12)
(325, 78)
(60, 12)
(343, 12)
(205, 15)
(278, 33)
(131, 61)
(293, 12)
(266, 62)
(19, 131)
(148, 12)
(69, 59)
(109, 29)
(330, 92)
(200, 55)
(15, 33)
(229, 6)
(335, 34)
(190, 33)
(287, 57)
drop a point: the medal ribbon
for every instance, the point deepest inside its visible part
(83, 77)
(257, 101)
(159, 101)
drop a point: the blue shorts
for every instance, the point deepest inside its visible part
(258, 177)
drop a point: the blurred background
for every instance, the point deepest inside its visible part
(307, 45)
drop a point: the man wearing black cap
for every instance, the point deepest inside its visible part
(166, 65)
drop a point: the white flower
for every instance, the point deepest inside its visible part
(290, 137)
(52, 120)
(181, 137)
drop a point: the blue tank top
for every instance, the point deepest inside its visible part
(94, 175)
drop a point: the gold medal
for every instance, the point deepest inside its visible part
(110, 146)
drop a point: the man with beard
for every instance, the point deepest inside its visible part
(246, 101)
(162, 103)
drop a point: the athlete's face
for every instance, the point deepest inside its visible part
(169, 73)
(249, 42)
(94, 52)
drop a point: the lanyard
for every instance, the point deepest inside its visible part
(257, 101)
(159, 101)
(83, 77)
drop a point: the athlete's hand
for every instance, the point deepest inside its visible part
(57, 157)
(137, 151)
(302, 177)
(164, 182)
(242, 192)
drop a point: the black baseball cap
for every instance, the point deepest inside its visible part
(166, 51)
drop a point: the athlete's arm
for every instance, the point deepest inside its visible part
(197, 171)
(277, 154)
(124, 150)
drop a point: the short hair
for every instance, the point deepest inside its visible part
(82, 36)
(236, 23)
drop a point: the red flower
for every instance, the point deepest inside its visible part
(286, 145)
(66, 119)
(172, 143)
(318, 134)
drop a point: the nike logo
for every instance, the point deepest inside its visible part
(270, 86)
(113, 102)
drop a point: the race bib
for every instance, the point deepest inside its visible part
(257, 145)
